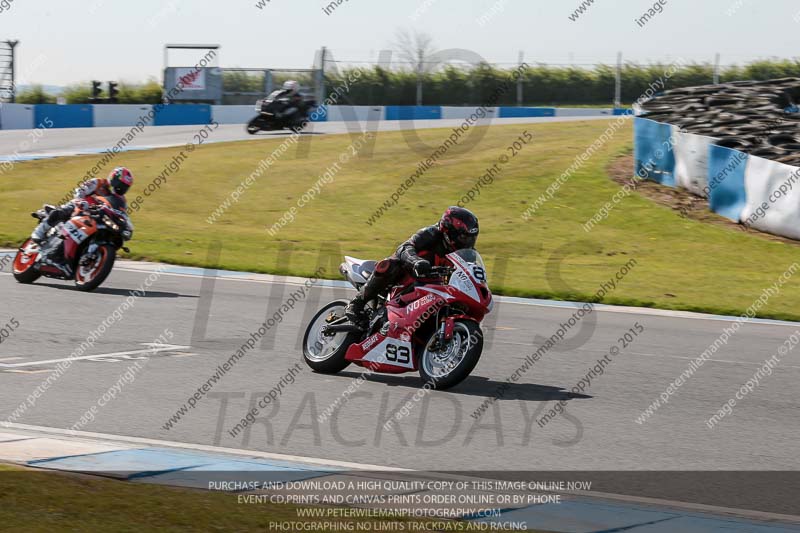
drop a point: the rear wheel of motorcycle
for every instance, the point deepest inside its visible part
(445, 367)
(91, 272)
(24, 261)
(326, 354)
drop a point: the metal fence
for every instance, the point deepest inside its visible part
(243, 86)
(8, 86)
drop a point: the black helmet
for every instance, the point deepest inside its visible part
(459, 228)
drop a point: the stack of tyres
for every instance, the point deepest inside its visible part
(757, 117)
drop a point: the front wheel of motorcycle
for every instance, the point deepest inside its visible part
(447, 365)
(254, 126)
(325, 353)
(24, 262)
(94, 266)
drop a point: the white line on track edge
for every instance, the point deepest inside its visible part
(310, 461)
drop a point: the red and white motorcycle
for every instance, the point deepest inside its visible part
(429, 325)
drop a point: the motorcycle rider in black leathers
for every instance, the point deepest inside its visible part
(296, 110)
(457, 229)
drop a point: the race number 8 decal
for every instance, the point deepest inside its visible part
(398, 354)
(479, 273)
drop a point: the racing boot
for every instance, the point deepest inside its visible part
(376, 284)
(40, 232)
(55, 257)
(356, 313)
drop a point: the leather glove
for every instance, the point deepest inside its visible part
(422, 268)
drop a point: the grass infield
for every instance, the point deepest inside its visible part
(680, 263)
(33, 501)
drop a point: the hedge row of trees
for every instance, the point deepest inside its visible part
(542, 85)
(146, 93)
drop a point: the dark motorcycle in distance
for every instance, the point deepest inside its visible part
(271, 114)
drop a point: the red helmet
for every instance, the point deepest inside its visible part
(459, 228)
(121, 180)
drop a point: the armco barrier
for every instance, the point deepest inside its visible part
(64, 116)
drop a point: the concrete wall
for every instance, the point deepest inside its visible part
(360, 113)
(64, 116)
(233, 114)
(757, 192)
(483, 113)
(16, 116)
(121, 115)
(583, 112)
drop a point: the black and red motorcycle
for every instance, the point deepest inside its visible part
(430, 325)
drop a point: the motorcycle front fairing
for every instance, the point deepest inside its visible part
(392, 349)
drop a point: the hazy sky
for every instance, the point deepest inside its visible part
(70, 41)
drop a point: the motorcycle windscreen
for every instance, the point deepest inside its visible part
(471, 258)
(465, 280)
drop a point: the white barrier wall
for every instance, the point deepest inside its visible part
(361, 113)
(241, 114)
(583, 112)
(118, 115)
(461, 113)
(16, 116)
(233, 114)
(772, 190)
(753, 191)
(691, 161)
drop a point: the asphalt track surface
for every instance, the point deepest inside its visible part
(600, 431)
(438, 433)
(58, 142)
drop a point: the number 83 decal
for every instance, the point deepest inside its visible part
(398, 354)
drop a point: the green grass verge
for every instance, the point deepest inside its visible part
(34, 501)
(682, 264)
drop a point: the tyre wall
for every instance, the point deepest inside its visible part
(758, 192)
